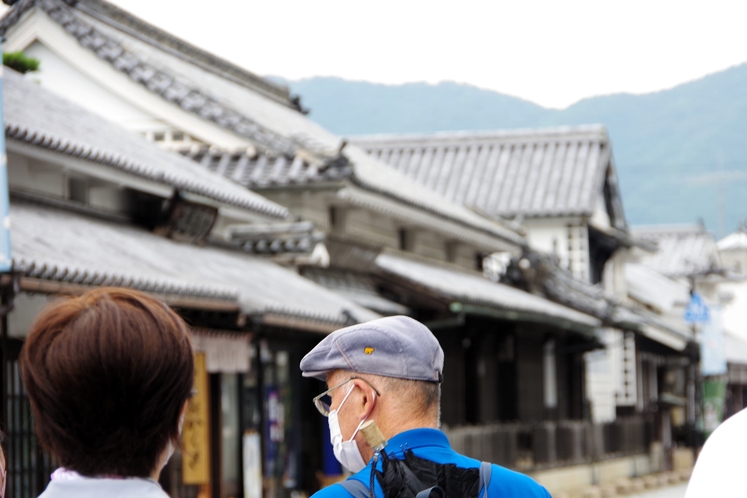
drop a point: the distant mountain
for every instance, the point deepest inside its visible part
(672, 148)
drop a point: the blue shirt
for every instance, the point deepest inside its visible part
(433, 445)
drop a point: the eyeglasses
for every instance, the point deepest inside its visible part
(323, 405)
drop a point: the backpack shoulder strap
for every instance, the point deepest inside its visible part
(486, 470)
(433, 492)
(355, 488)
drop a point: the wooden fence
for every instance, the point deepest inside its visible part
(539, 445)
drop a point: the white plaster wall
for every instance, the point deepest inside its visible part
(60, 77)
(552, 236)
(49, 37)
(613, 279)
(600, 217)
(601, 378)
(734, 313)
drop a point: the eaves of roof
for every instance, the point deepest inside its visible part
(186, 94)
(54, 247)
(265, 172)
(35, 117)
(472, 292)
(126, 22)
(539, 271)
(487, 226)
(88, 153)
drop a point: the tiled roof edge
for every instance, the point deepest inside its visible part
(506, 233)
(343, 319)
(135, 26)
(586, 131)
(174, 89)
(47, 270)
(86, 152)
(14, 14)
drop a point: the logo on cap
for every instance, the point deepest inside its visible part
(368, 350)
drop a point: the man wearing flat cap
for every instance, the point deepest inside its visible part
(390, 370)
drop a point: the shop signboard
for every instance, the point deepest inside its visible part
(196, 430)
(714, 394)
(713, 345)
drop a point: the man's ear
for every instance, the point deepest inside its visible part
(368, 399)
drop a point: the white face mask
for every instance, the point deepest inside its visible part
(346, 452)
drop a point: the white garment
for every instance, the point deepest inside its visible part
(720, 468)
(102, 487)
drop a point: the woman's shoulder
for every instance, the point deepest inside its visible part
(111, 488)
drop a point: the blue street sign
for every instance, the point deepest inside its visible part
(697, 310)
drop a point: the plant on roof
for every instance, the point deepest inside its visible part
(18, 61)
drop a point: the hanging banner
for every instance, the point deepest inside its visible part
(252, 465)
(714, 394)
(196, 430)
(713, 345)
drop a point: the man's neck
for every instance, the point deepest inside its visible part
(392, 426)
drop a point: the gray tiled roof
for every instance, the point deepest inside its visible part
(543, 172)
(276, 238)
(265, 170)
(275, 128)
(357, 287)
(682, 250)
(43, 119)
(540, 273)
(57, 245)
(112, 14)
(473, 289)
(160, 80)
(655, 290)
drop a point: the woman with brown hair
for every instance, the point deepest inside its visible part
(108, 374)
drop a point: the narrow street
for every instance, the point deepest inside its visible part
(676, 491)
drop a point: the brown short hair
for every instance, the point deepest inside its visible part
(107, 374)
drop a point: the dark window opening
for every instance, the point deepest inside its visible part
(479, 261)
(77, 190)
(406, 239)
(601, 249)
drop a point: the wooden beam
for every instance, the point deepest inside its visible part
(298, 323)
(30, 284)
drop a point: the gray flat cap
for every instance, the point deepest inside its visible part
(396, 346)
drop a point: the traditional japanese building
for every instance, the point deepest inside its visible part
(95, 205)
(560, 184)
(391, 242)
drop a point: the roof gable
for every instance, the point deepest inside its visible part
(154, 73)
(125, 21)
(529, 173)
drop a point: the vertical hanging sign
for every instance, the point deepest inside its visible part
(5, 256)
(196, 430)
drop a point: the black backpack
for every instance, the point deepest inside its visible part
(416, 477)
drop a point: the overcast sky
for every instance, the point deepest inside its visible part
(552, 52)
